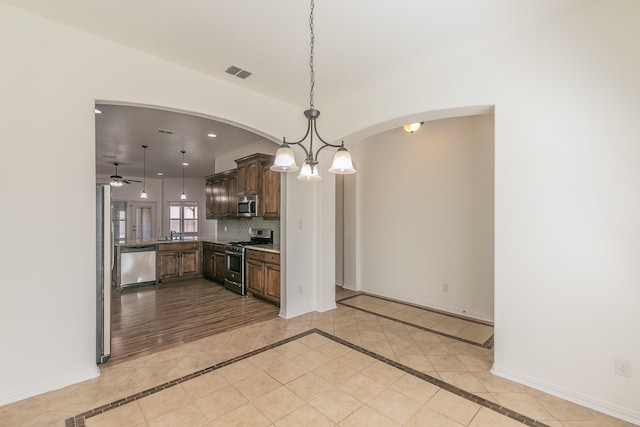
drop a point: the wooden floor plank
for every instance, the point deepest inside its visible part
(148, 319)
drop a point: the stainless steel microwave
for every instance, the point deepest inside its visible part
(248, 205)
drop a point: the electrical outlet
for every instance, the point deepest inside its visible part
(623, 367)
(445, 287)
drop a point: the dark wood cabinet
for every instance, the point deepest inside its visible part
(253, 176)
(272, 281)
(250, 173)
(176, 261)
(254, 277)
(270, 204)
(208, 263)
(213, 261)
(262, 274)
(220, 195)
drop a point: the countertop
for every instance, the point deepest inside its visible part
(130, 243)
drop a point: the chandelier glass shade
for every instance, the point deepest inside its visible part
(285, 160)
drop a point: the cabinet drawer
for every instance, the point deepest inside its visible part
(255, 255)
(182, 246)
(217, 247)
(208, 246)
(272, 258)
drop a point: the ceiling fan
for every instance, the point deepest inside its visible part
(119, 181)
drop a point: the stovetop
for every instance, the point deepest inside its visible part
(259, 236)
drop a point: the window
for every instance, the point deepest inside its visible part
(119, 218)
(183, 218)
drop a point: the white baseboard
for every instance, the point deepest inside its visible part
(47, 386)
(571, 396)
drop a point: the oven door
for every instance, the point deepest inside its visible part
(234, 272)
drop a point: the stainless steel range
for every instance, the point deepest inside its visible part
(234, 276)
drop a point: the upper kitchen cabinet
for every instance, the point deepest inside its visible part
(221, 192)
(270, 205)
(250, 173)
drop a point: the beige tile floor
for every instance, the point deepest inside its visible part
(470, 330)
(312, 381)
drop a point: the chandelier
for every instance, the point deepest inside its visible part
(285, 160)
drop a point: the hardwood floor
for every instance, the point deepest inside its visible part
(146, 320)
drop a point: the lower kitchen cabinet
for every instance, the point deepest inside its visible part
(176, 261)
(213, 261)
(262, 274)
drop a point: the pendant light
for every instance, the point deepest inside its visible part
(183, 196)
(143, 195)
(285, 160)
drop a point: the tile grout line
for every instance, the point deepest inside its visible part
(79, 420)
(432, 310)
(488, 344)
(438, 382)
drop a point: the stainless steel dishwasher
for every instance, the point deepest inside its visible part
(138, 265)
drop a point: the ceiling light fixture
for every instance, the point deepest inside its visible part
(183, 196)
(285, 160)
(411, 128)
(143, 195)
(211, 135)
(95, 110)
(116, 180)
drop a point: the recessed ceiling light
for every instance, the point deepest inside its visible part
(211, 135)
(160, 174)
(97, 111)
(185, 164)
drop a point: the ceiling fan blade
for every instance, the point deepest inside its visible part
(128, 181)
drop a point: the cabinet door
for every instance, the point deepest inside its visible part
(233, 195)
(218, 193)
(270, 204)
(272, 281)
(248, 178)
(251, 178)
(168, 265)
(242, 173)
(189, 262)
(254, 277)
(210, 199)
(219, 266)
(208, 264)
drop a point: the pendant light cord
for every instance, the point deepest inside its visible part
(183, 171)
(313, 76)
(144, 168)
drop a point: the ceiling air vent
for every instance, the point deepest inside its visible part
(238, 72)
(168, 132)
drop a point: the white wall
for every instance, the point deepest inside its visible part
(567, 99)
(50, 80)
(161, 191)
(427, 212)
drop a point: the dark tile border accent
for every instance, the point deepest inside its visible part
(79, 420)
(439, 383)
(488, 344)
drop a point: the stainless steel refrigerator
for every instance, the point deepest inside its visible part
(104, 265)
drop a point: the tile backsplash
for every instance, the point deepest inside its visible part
(238, 229)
